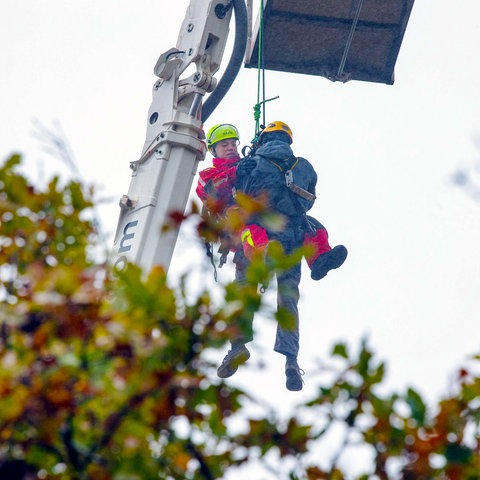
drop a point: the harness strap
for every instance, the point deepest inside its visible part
(296, 189)
(293, 186)
(223, 259)
(208, 248)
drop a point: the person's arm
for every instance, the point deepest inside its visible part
(203, 186)
(244, 169)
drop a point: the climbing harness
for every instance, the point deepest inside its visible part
(222, 261)
(208, 251)
(296, 189)
(288, 174)
(224, 251)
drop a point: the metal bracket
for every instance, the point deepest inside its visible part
(167, 63)
(288, 178)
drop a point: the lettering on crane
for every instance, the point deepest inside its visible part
(124, 246)
(121, 263)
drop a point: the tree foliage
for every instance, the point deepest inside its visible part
(108, 377)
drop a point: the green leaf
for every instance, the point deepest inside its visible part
(285, 318)
(417, 406)
(340, 350)
(456, 453)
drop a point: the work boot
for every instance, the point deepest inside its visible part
(327, 261)
(294, 375)
(236, 356)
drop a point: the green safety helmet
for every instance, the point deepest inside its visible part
(222, 131)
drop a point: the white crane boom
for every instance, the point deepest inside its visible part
(162, 176)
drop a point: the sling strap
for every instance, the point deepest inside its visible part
(288, 174)
(296, 189)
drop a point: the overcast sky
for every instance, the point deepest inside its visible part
(384, 156)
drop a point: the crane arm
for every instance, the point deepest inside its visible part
(162, 177)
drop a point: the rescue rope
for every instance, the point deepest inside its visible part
(257, 109)
(209, 252)
(260, 73)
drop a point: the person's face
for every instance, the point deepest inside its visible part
(227, 148)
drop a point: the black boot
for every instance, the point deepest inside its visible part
(327, 261)
(236, 356)
(294, 375)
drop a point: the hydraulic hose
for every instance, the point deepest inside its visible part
(233, 67)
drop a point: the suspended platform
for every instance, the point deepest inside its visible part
(341, 40)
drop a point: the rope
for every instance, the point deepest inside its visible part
(208, 249)
(349, 39)
(260, 67)
(257, 109)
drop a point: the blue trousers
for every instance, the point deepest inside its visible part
(287, 340)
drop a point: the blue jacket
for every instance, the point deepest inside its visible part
(268, 177)
(273, 160)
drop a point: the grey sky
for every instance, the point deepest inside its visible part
(384, 156)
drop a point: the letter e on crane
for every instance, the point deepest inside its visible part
(124, 245)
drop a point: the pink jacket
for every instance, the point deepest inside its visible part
(217, 182)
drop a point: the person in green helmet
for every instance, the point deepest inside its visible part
(215, 183)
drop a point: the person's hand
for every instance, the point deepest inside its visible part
(226, 244)
(246, 166)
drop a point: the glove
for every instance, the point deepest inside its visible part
(246, 166)
(226, 243)
(254, 241)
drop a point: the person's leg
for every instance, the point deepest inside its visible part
(287, 338)
(323, 257)
(238, 353)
